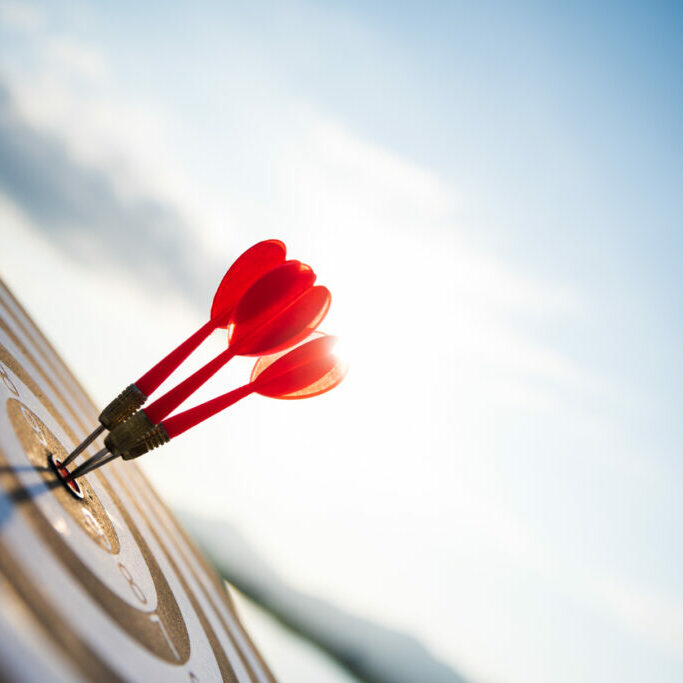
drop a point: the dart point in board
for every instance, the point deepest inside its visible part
(270, 308)
(63, 473)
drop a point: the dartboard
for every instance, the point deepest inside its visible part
(100, 584)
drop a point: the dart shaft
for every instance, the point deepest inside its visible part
(151, 380)
(189, 418)
(165, 405)
(103, 462)
(90, 466)
(87, 465)
(83, 445)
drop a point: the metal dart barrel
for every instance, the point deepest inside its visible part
(120, 409)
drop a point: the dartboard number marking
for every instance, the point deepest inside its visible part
(7, 380)
(96, 529)
(31, 421)
(137, 591)
(154, 617)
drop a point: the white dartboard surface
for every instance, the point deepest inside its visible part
(103, 588)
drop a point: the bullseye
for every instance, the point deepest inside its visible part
(63, 474)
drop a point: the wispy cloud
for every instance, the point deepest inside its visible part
(80, 209)
(21, 16)
(90, 171)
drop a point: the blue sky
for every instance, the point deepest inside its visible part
(492, 192)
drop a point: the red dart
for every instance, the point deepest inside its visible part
(244, 272)
(308, 370)
(277, 311)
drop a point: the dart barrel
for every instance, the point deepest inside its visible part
(136, 436)
(122, 407)
(153, 439)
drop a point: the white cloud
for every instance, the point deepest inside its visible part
(21, 16)
(658, 617)
(82, 60)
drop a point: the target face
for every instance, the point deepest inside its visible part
(97, 582)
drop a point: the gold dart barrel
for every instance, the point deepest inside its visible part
(122, 407)
(154, 438)
(125, 435)
(157, 437)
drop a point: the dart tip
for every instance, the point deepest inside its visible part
(65, 476)
(83, 445)
(100, 458)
